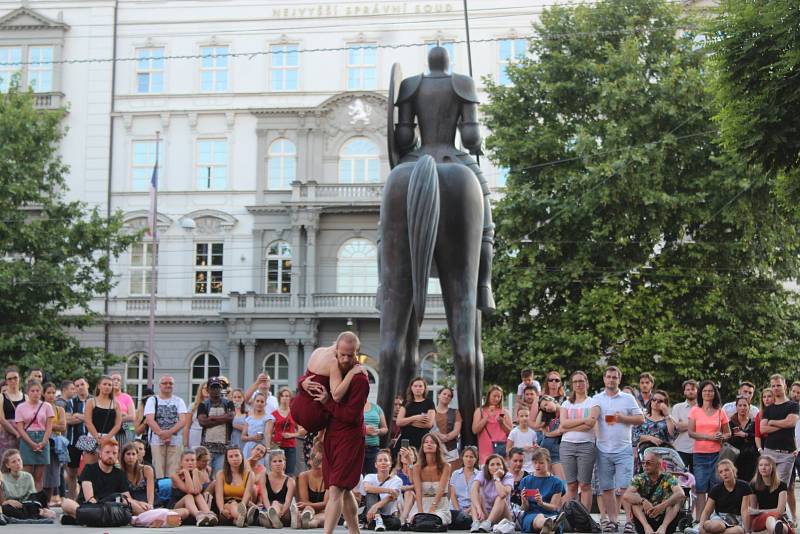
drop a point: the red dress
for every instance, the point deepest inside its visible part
(343, 452)
(305, 411)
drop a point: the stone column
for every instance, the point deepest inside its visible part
(249, 362)
(296, 271)
(292, 346)
(233, 363)
(312, 228)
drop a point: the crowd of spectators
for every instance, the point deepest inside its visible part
(231, 456)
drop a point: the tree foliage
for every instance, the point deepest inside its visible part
(756, 48)
(54, 253)
(626, 234)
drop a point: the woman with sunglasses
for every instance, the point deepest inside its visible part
(554, 387)
(658, 428)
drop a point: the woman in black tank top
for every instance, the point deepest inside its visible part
(13, 397)
(277, 502)
(311, 494)
(103, 415)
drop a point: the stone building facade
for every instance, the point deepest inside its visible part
(271, 124)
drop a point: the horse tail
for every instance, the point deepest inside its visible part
(422, 211)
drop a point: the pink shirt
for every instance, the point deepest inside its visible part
(705, 424)
(25, 412)
(126, 403)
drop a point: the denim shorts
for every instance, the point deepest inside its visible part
(614, 469)
(705, 471)
(552, 445)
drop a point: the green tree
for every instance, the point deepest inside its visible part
(55, 253)
(757, 58)
(626, 235)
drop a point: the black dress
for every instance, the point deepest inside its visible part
(411, 433)
(748, 455)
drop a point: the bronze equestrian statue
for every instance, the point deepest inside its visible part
(435, 214)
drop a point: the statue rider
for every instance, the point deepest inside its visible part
(455, 100)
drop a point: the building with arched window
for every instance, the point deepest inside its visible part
(270, 166)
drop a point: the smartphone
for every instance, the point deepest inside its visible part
(405, 443)
(530, 493)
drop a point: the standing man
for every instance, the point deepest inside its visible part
(344, 442)
(646, 384)
(619, 412)
(746, 390)
(166, 415)
(684, 444)
(75, 429)
(262, 384)
(778, 422)
(215, 415)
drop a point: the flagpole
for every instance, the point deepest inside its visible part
(151, 340)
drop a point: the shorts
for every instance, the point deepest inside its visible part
(578, 461)
(705, 471)
(784, 464)
(74, 457)
(759, 522)
(526, 523)
(730, 520)
(655, 523)
(614, 469)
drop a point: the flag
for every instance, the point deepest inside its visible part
(153, 191)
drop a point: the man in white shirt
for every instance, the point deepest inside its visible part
(746, 390)
(166, 415)
(619, 411)
(680, 416)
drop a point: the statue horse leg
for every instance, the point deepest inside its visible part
(396, 290)
(457, 259)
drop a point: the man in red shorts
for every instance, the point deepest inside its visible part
(343, 447)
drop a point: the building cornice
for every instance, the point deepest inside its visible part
(35, 21)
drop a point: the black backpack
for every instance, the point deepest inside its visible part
(578, 518)
(423, 522)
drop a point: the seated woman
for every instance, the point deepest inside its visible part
(19, 497)
(381, 493)
(187, 492)
(233, 490)
(323, 372)
(490, 494)
(541, 496)
(768, 500)
(726, 509)
(141, 480)
(404, 468)
(277, 492)
(460, 484)
(311, 494)
(431, 477)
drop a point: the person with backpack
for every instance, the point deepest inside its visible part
(541, 497)
(166, 416)
(215, 415)
(76, 428)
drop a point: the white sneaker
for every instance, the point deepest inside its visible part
(476, 526)
(691, 530)
(379, 526)
(486, 526)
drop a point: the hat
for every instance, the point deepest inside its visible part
(217, 381)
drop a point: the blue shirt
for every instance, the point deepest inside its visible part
(547, 486)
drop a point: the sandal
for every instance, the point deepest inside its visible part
(611, 526)
(629, 528)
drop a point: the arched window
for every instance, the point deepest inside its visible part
(432, 374)
(281, 165)
(358, 162)
(279, 268)
(136, 375)
(204, 366)
(357, 267)
(276, 365)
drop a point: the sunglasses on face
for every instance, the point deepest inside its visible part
(554, 380)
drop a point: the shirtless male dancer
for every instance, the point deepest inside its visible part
(323, 374)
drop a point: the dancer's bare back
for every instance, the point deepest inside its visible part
(323, 363)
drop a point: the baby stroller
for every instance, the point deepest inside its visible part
(671, 462)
